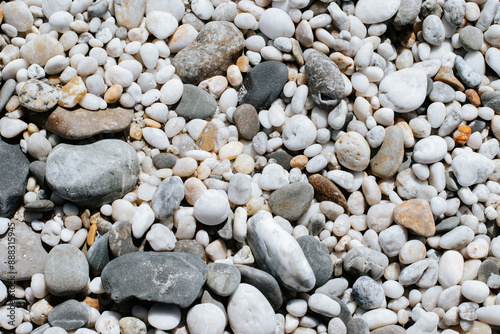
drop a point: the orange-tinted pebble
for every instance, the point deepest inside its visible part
(85, 217)
(135, 131)
(152, 123)
(113, 94)
(243, 64)
(91, 234)
(72, 93)
(462, 134)
(473, 97)
(299, 161)
(92, 302)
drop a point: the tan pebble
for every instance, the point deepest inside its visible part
(208, 137)
(234, 76)
(216, 250)
(462, 134)
(203, 172)
(254, 205)
(40, 311)
(288, 57)
(193, 189)
(12, 104)
(32, 128)
(416, 215)
(244, 164)
(304, 34)
(484, 89)
(92, 302)
(301, 79)
(409, 139)
(407, 38)
(135, 131)
(473, 97)
(446, 75)
(297, 51)
(95, 218)
(1, 15)
(85, 217)
(299, 161)
(113, 94)
(321, 47)
(292, 72)
(91, 234)
(72, 93)
(185, 167)
(152, 123)
(54, 80)
(231, 150)
(164, 173)
(183, 36)
(243, 64)
(344, 63)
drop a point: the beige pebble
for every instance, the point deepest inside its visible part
(193, 189)
(203, 172)
(234, 75)
(113, 94)
(152, 123)
(299, 161)
(122, 210)
(243, 64)
(231, 150)
(12, 104)
(185, 167)
(216, 250)
(32, 128)
(72, 93)
(244, 164)
(135, 131)
(215, 85)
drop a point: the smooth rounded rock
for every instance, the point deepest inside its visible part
(291, 201)
(168, 197)
(223, 279)
(206, 319)
(212, 207)
(352, 151)
(394, 88)
(299, 132)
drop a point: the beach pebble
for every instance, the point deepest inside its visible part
(393, 87)
(206, 316)
(346, 146)
(212, 207)
(275, 23)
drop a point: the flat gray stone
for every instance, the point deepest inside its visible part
(168, 197)
(318, 256)
(246, 120)
(223, 279)
(389, 157)
(492, 100)
(94, 174)
(121, 241)
(471, 38)
(408, 12)
(69, 315)
(164, 160)
(15, 167)
(292, 200)
(66, 271)
(196, 103)
(191, 247)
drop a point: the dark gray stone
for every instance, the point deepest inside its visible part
(28, 243)
(196, 103)
(42, 205)
(486, 269)
(217, 46)
(357, 326)
(263, 84)
(247, 121)
(69, 315)
(318, 257)
(282, 158)
(191, 247)
(391, 329)
(441, 92)
(408, 12)
(66, 271)
(471, 38)
(316, 224)
(345, 313)
(454, 11)
(98, 9)
(447, 225)
(467, 75)
(94, 174)
(165, 277)
(15, 167)
(292, 200)
(365, 261)
(492, 100)
(37, 169)
(223, 279)
(368, 293)
(167, 197)
(98, 254)
(6, 92)
(325, 81)
(164, 160)
(120, 238)
(389, 157)
(430, 7)
(477, 125)
(264, 282)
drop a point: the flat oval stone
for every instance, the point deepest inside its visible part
(246, 120)
(457, 238)
(164, 160)
(167, 197)
(394, 88)
(196, 103)
(292, 200)
(81, 123)
(66, 270)
(318, 256)
(299, 133)
(69, 315)
(263, 84)
(376, 11)
(264, 282)
(416, 215)
(389, 157)
(278, 253)
(223, 279)
(352, 151)
(216, 47)
(98, 254)
(15, 167)
(159, 279)
(429, 150)
(492, 100)
(326, 190)
(208, 137)
(110, 166)
(38, 96)
(324, 79)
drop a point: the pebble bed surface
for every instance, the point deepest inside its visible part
(249, 167)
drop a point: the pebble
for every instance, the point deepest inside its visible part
(69, 315)
(275, 23)
(326, 190)
(212, 207)
(196, 103)
(246, 120)
(38, 96)
(470, 168)
(264, 282)
(416, 215)
(41, 48)
(370, 12)
(365, 261)
(223, 279)
(131, 325)
(291, 201)
(15, 167)
(433, 30)
(451, 266)
(323, 305)
(318, 257)
(164, 316)
(206, 316)
(352, 151)
(368, 293)
(167, 197)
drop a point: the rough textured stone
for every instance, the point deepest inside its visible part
(42, 205)
(41, 48)
(196, 103)
(168, 197)
(263, 281)
(292, 200)
(15, 167)
(416, 215)
(357, 326)
(159, 279)
(318, 256)
(368, 293)
(223, 279)
(263, 84)
(325, 81)
(92, 174)
(386, 162)
(129, 13)
(365, 261)
(66, 271)
(38, 96)
(408, 12)
(191, 247)
(326, 190)
(69, 315)
(246, 120)
(120, 238)
(391, 329)
(81, 123)
(33, 258)
(216, 47)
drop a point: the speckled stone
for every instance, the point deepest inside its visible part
(208, 137)
(38, 96)
(191, 247)
(326, 190)
(167, 197)
(223, 279)
(368, 293)
(365, 261)
(389, 157)
(292, 200)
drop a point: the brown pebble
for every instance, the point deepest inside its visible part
(446, 75)
(416, 215)
(299, 161)
(54, 80)
(297, 51)
(92, 302)
(407, 38)
(1, 15)
(462, 134)
(85, 217)
(91, 234)
(243, 64)
(473, 97)
(208, 137)
(326, 190)
(32, 128)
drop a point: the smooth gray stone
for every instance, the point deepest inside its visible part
(29, 244)
(451, 122)
(167, 197)
(408, 12)
(225, 11)
(345, 313)
(164, 160)
(416, 271)
(492, 100)
(292, 200)
(37, 169)
(488, 13)
(98, 254)
(325, 81)
(433, 30)
(15, 167)
(457, 238)
(447, 224)
(98, 9)
(120, 240)
(264, 282)
(365, 261)
(263, 84)
(389, 157)
(240, 189)
(318, 256)
(368, 293)
(69, 315)
(487, 268)
(471, 38)
(454, 12)
(41, 329)
(191, 247)
(357, 326)
(94, 174)
(223, 279)
(155, 277)
(6, 92)
(391, 329)
(282, 158)
(335, 287)
(441, 92)
(196, 103)
(430, 7)
(467, 75)
(42, 205)
(66, 271)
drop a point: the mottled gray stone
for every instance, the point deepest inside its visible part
(8, 88)
(223, 279)
(441, 92)
(215, 48)
(451, 122)
(66, 271)
(318, 256)
(408, 12)
(41, 205)
(167, 197)
(454, 11)
(98, 9)
(246, 120)
(389, 157)
(263, 281)
(487, 268)
(69, 315)
(488, 13)
(165, 277)
(120, 238)
(14, 167)
(467, 75)
(335, 287)
(433, 30)
(325, 81)
(196, 103)
(98, 254)
(164, 160)
(471, 38)
(365, 261)
(423, 273)
(492, 100)
(191, 247)
(357, 326)
(282, 158)
(447, 224)
(391, 329)
(368, 293)
(292, 200)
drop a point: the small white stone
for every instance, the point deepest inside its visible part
(475, 291)
(38, 286)
(164, 316)
(142, 219)
(161, 238)
(380, 318)
(394, 88)
(393, 289)
(323, 305)
(489, 315)
(171, 91)
(11, 127)
(51, 233)
(471, 168)
(96, 286)
(274, 23)
(212, 207)
(299, 132)
(107, 323)
(149, 55)
(161, 24)
(451, 267)
(206, 318)
(273, 177)
(156, 138)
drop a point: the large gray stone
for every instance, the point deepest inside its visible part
(98, 254)
(27, 243)
(172, 278)
(168, 197)
(94, 174)
(66, 271)
(14, 167)
(69, 315)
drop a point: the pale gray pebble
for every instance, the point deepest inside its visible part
(375, 136)
(335, 287)
(6, 92)
(69, 315)
(167, 197)
(467, 311)
(240, 189)
(191, 19)
(454, 11)
(223, 279)
(283, 44)
(368, 293)
(423, 273)
(431, 7)
(225, 11)
(441, 92)
(392, 240)
(451, 122)
(357, 326)
(471, 38)
(457, 238)
(469, 77)
(98, 9)
(487, 15)
(447, 225)
(433, 30)
(494, 281)
(408, 12)
(365, 261)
